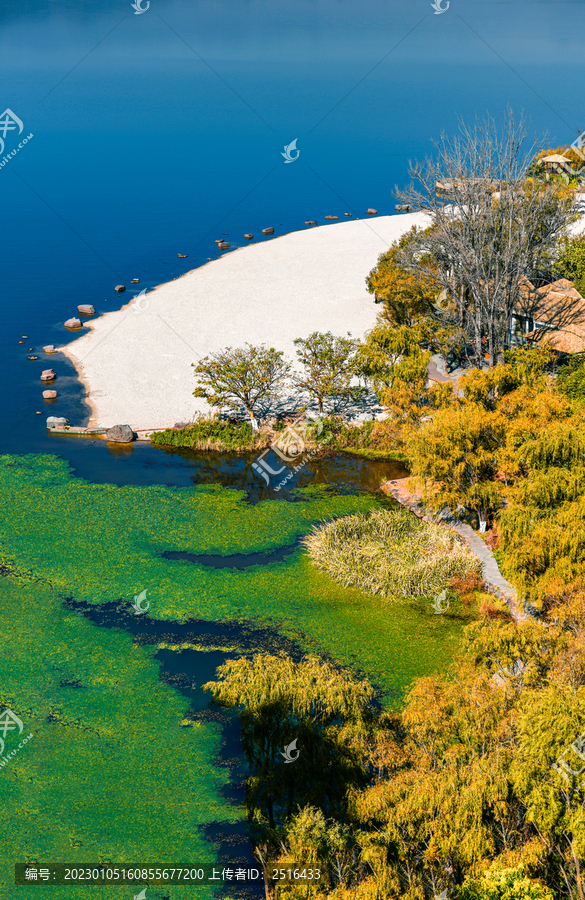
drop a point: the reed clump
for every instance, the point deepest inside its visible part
(390, 553)
(212, 434)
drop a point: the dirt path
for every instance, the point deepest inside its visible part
(492, 576)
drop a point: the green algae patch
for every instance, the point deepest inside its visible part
(105, 543)
(109, 776)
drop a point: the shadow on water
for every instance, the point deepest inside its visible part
(236, 560)
(187, 669)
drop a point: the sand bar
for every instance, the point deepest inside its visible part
(136, 363)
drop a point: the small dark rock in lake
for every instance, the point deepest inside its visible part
(73, 323)
(48, 375)
(120, 288)
(135, 281)
(182, 255)
(86, 309)
(224, 246)
(120, 434)
(268, 231)
(49, 395)
(371, 212)
(248, 237)
(331, 217)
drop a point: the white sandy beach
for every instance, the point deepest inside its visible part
(136, 364)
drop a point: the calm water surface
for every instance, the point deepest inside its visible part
(154, 134)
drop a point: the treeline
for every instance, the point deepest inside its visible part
(455, 796)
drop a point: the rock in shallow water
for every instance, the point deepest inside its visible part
(120, 434)
(86, 309)
(53, 421)
(73, 323)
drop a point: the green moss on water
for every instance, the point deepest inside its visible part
(104, 542)
(110, 774)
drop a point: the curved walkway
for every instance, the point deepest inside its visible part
(492, 576)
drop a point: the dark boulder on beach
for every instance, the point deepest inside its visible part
(120, 288)
(57, 421)
(120, 434)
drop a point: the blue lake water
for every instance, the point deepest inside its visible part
(154, 134)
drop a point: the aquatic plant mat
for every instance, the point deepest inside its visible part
(115, 771)
(391, 553)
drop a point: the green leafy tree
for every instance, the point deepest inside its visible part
(328, 364)
(241, 377)
(571, 262)
(504, 884)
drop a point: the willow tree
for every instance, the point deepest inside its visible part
(302, 724)
(491, 228)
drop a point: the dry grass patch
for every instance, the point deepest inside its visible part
(391, 553)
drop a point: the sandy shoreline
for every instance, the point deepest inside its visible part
(136, 363)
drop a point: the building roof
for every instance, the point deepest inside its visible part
(561, 307)
(554, 158)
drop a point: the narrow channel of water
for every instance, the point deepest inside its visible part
(187, 669)
(141, 463)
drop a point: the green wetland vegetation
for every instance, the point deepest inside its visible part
(110, 773)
